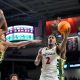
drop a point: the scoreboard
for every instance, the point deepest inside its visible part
(20, 32)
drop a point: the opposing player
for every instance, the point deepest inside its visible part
(5, 44)
(53, 58)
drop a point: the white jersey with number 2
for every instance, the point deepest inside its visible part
(50, 64)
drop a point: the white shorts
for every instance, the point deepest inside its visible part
(43, 77)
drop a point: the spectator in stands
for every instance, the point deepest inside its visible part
(14, 77)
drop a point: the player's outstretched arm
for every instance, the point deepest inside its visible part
(29, 42)
(38, 58)
(36, 41)
(19, 44)
(62, 46)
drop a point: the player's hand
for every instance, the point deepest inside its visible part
(36, 62)
(67, 32)
(36, 41)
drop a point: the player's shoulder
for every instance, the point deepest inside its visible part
(40, 50)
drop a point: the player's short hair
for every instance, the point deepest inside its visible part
(51, 35)
(13, 75)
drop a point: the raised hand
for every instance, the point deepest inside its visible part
(67, 32)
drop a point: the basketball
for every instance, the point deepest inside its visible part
(63, 26)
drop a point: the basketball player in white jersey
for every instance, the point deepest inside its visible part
(53, 58)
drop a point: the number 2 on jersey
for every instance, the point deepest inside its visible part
(48, 60)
